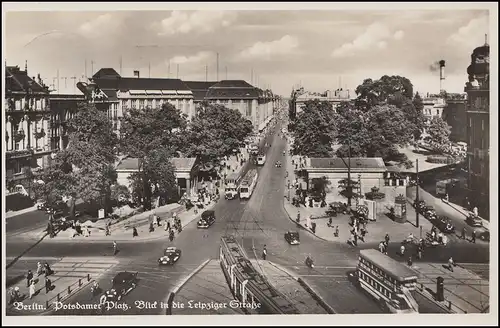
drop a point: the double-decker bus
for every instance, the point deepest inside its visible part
(248, 184)
(231, 190)
(388, 281)
(261, 159)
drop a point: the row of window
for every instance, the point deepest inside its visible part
(375, 284)
(381, 275)
(36, 104)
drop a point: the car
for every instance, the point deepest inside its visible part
(277, 164)
(443, 223)
(292, 237)
(121, 285)
(171, 255)
(207, 219)
(485, 235)
(474, 221)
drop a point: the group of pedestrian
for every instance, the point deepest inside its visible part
(464, 235)
(358, 231)
(31, 281)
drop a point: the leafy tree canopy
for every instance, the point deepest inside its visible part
(314, 130)
(214, 132)
(371, 93)
(439, 132)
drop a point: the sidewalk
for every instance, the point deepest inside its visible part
(467, 292)
(11, 214)
(70, 275)
(288, 285)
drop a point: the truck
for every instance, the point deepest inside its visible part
(231, 190)
(248, 184)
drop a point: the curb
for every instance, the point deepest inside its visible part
(304, 228)
(316, 296)
(63, 299)
(176, 289)
(10, 215)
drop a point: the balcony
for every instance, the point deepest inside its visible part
(12, 154)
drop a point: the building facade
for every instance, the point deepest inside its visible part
(62, 108)
(478, 128)
(115, 94)
(27, 125)
(454, 114)
(333, 97)
(254, 104)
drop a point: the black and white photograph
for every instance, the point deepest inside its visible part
(194, 160)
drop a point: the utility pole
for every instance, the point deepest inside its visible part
(74, 83)
(57, 81)
(349, 187)
(65, 82)
(177, 70)
(168, 75)
(417, 199)
(217, 66)
(121, 64)
(92, 67)
(251, 77)
(86, 69)
(226, 72)
(149, 67)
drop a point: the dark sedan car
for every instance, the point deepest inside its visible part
(292, 237)
(207, 219)
(443, 223)
(172, 255)
(121, 285)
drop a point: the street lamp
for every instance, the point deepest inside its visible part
(348, 164)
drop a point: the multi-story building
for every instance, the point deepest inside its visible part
(62, 107)
(478, 128)
(454, 114)
(253, 103)
(27, 126)
(115, 94)
(335, 98)
(199, 89)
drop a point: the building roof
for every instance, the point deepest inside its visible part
(130, 83)
(396, 269)
(180, 164)
(199, 88)
(232, 89)
(338, 163)
(17, 80)
(106, 73)
(54, 97)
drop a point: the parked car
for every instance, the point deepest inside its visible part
(171, 255)
(443, 223)
(207, 219)
(474, 221)
(485, 235)
(121, 285)
(292, 237)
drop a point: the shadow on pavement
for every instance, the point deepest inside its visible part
(26, 251)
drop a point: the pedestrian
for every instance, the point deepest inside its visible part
(381, 247)
(108, 232)
(134, 232)
(464, 233)
(363, 233)
(158, 220)
(410, 261)
(151, 227)
(32, 289)
(168, 225)
(115, 248)
(473, 236)
(29, 277)
(419, 253)
(48, 270)
(39, 269)
(48, 285)
(264, 253)
(355, 239)
(336, 231)
(165, 226)
(402, 250)
(387, 238)
(88, 232)
(451, 264)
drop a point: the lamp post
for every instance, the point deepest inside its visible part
(349, 187)
(417, 198)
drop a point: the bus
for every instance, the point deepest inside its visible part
(388, 281)
(248, 184)
(261, 159)
(231, 190)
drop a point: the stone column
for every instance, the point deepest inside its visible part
(188, 186)
(44, 140)
(26, 133)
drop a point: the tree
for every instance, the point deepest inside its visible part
(439, 132)
(153, 136)
(314, 130)
(375, 133)
(85, 169)
(345, 191)
(215, 132)
(371, 93)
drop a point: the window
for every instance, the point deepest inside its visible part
(150, 103)
(18, 168)
(437, 112)
(141, 104)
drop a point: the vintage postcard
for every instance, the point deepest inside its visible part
(221, 163)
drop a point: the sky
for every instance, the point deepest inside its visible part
(318, 49)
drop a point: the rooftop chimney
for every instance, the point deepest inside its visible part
(441, 75)
(136, 74)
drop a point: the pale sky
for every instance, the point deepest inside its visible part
(317, 48)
